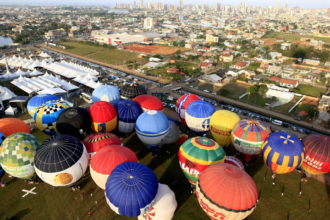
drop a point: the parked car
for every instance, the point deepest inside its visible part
(297, 118)
(195, 87)
(214, 93)
(294, 128)
(205, 90)
(285, 124)
(301, 130)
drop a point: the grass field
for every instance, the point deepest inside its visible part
(236, 89)
(310, 90)
(297, 37)
(256, 99)
(98, 53)
(286, 107)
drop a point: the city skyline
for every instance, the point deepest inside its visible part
(292, 3)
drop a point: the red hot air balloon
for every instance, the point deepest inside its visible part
(183, 103)
(317, 154)
(149, 102)
(95, 142)
(106, 159)
(224, 191)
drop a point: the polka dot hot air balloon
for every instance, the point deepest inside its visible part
(317, 154)
(283, 152)
(9, 126)
(130, 91)
(46, 116)
(37, 101)
(221, 124)
(196, 154)
(104, 117)
(106, 93)
(95, 142)
(17, 155)
(128, 113)
(248, 135)
(183, 103)
(198, 116)
(61, 160)
(131, 189)
(224, 191)
(149, 102)
(107, 159)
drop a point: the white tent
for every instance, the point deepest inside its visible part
(36, 73)
(11, 111)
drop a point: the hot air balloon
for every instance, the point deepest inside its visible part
(46, 115)
(283, 152)
(198, 116)
(104, 117)
(164, 207)
(107, 159)
(173, 132)
(131, 189)
(152, 128)
(149, 102)
(106, 93)
(95, 142)
(2, 137)
(128, 113)
(2, 172)
(317, 154)
(221, 124)
(182, 138)
(234, 161)
(183, 103)
(248, 135)
(37, 101)
(130, 91)
(61, 160)
(74, 121)
(17, 155)
(224, 191)
(196, 154)
(9, 126)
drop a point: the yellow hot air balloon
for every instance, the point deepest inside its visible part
(221, 124)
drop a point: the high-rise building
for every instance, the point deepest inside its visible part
(217, 7)
(141, 3)
(174, 7)
(149, 23)
(181, 5)
(278, 5)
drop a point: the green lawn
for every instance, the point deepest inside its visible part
(236, 89)
(286, 107)
(256, 99)
(78, 48)
(310, 90)
(295, 36)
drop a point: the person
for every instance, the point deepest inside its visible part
(91, 195)
(274, 176)
(77, 218)
(96, 202)
(310, 210)
(300, 193)
(264, 178)
(53, 188)
(81, 196)
(282, 194)
(89, 213)
(273, 183)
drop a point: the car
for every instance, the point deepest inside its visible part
(215, 105)
(297, 118)
(164, 103)
(191, 86)
(214, 93)
(205, 90)
(294, 128)
(232, 109)
(301, 130)
(245, 113)
(285, 124)
(195, 87)
(283, 131)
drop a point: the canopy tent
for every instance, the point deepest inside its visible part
(19, 101)
(11, 111)
(36, 73)
(6, 94)
(52, 91)
(44, 55)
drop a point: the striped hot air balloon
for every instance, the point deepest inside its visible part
(183, 103)
(283, 152)
(224, 191)
(198, 116)
(248, 135)
(149, 102)
(130, 91)
(317, 154)
(196, 154)
(104, 117)
(128, 113)
(9, 126)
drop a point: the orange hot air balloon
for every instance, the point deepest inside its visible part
(9, 126)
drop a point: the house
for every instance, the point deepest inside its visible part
(289, 83)
(225, 57)
(205, 66)
(213, 78)
(240, 65)
(324, 103)
(153, 65)
(232, 73)
(311, 62)
(287, 72)
(261, 69)
(172, 70)
(260, 76)
(154, 59)
(285, 46)
(142, 63)
(247, 73)
(274, 70)
(280, 39)
(282, 96)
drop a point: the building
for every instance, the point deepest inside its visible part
(311, 62)
(285, 82)
(324, 103)
(141, 3)
(54, 33)
(211, 38)
(181, 5)
(126, 38)
(205, 66)
(274, 70)
(240, 65)
(225, 57)
(282, 96)
(213, 78)
(175, 71)
(149, 23)
(285, 46)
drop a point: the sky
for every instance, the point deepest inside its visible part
(292, 3)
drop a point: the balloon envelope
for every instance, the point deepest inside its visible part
(317, 154)
(149, 102)
(183, 103)
(234, 161)
(2, 137)
(226, 192)
(130, 91)
(173, 132)
(17, 155)
(108, 158)
(9, 126)
(128, 113)
(37, 101)
(198, 116)
(196, 154)
(282, 152)
(106, 93)
(248, 135)
(151, 128)
(104, 117)
(131, 189)
(221, 124)
(61, 160)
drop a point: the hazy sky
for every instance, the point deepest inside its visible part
(301, 3)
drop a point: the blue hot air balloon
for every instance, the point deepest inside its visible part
(198, 116)
(283, 152)
(2, 172)
(2, 137)
(106, 93)
(37, 101)
(131, 189)
(127, 113)
(151, 128)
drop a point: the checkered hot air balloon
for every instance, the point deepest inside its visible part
(17, 154)
(104, 117)
(183, 103)
(248, 135)
(46, 116)
(37, 101)
(196, 154)
(283, 152)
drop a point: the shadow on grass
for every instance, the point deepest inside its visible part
(21, 214)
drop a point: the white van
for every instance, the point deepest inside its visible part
(277, 122)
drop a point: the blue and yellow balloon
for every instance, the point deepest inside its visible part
(282, 152)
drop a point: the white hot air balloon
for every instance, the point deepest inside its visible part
(173, 132)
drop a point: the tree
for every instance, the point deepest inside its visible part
(178, 52)
(252, 89)
(224, 92)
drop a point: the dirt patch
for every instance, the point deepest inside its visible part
(314, 101)
(153, 49)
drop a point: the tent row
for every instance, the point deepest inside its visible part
(6, 94)
(20, 73)
(69, 70)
